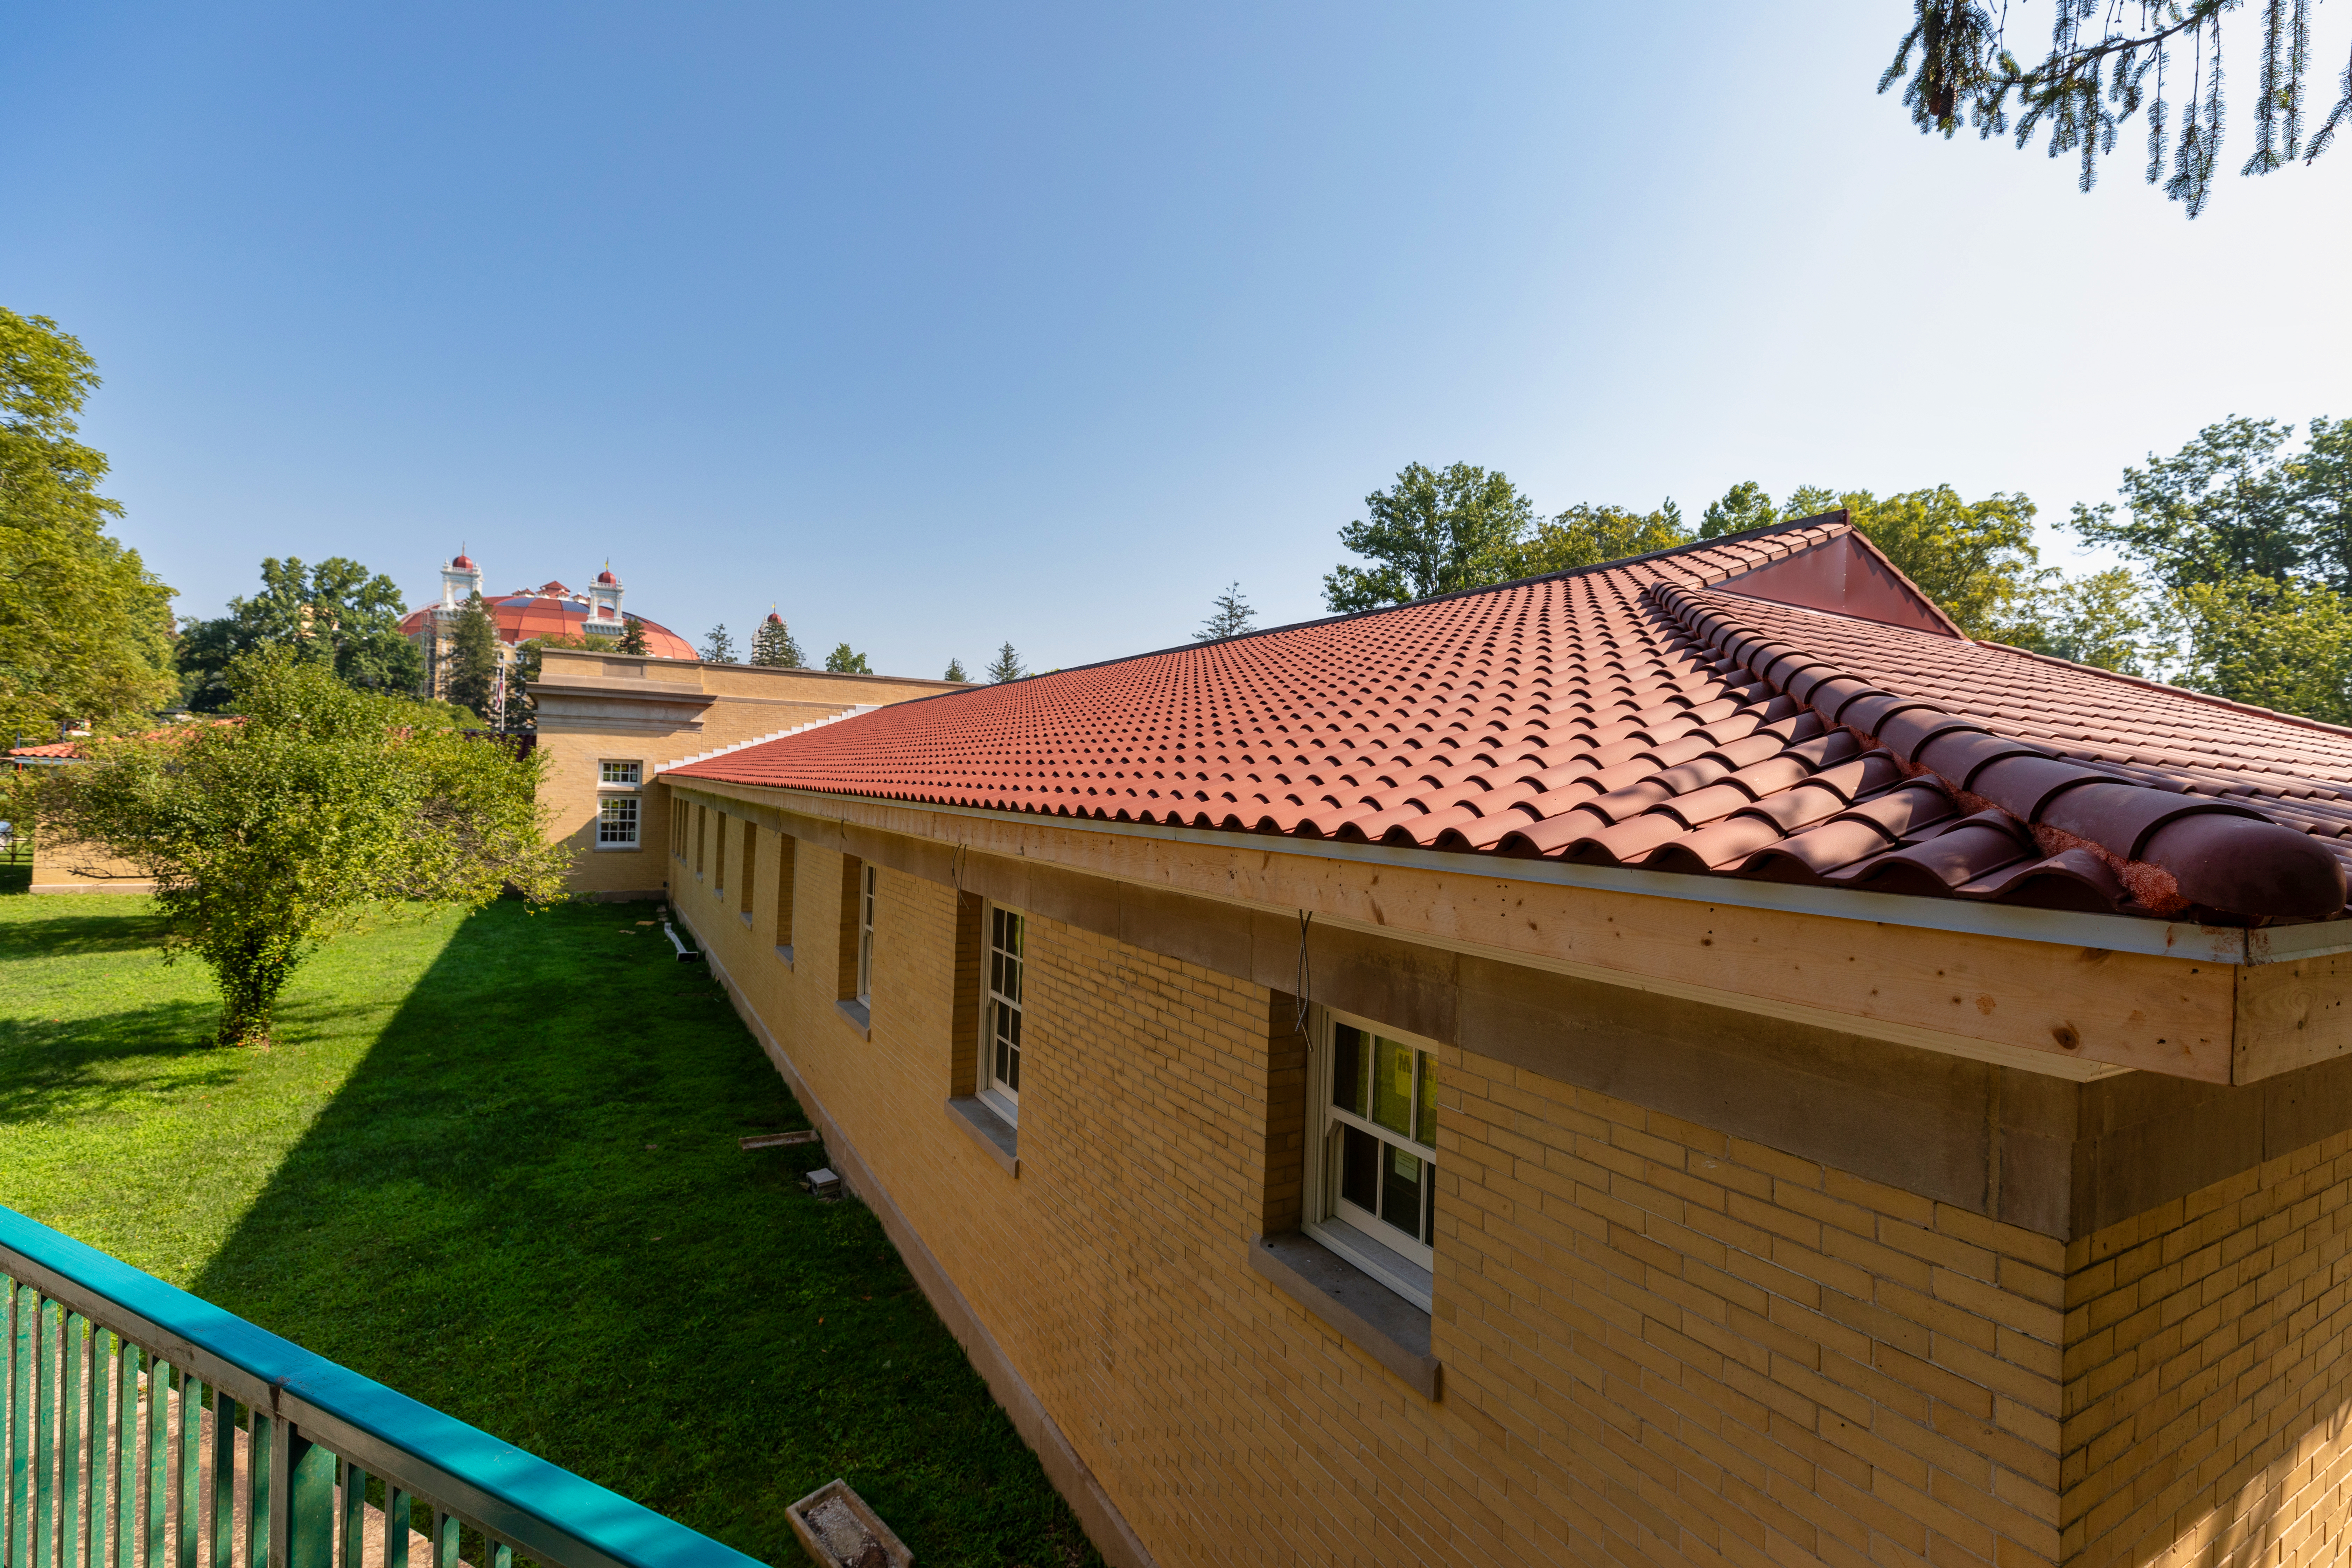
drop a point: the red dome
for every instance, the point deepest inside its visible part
(462, 564)
(606, 576)
(523, 616)
(774, 619)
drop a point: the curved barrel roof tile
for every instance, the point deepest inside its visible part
(1652, 712)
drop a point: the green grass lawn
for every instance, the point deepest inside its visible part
(492, 1161)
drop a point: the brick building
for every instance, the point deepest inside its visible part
(1687, 1061)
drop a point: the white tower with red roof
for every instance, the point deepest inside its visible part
(460, 580)
(604, 600)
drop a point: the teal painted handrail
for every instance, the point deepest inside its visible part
(83, 1334)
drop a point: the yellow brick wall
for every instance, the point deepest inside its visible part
(1661, 1345)
(2207, 1389)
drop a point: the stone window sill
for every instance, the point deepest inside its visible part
(989, 1130)
(1359, 1308)
(745, 916)
(620, 848)
(860, 1018)
(786, 954)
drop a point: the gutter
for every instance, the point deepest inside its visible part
(2114, 933)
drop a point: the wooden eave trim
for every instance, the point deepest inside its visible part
(2061, 928)
(2075, 1009)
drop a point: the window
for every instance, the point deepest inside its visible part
(1373, 1177)
(751, 866)
(629, 773)
(719, 857)
(616, 822)
(701, 827)
(1001, 1014)
(787, 861)
(866, 937)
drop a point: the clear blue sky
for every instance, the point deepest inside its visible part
(941, 325)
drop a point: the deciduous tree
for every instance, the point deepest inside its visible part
(845, 660)
(337, 613)
(269, 833)
(1430, 532)
(1586, 536)
(84, 628)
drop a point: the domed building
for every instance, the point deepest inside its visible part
(548, 611)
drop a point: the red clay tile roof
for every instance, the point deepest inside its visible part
(1780, 705)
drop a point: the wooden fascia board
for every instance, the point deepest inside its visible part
(2069, 1010)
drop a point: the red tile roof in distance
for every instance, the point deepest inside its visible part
(537, 613)
(1783, 704)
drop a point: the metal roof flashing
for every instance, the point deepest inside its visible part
(2061, 928)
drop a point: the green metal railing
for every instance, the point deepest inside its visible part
(143, 1427)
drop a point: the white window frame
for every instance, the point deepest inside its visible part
(609, 790)
(997, 1003)
(866, 893)
(1404, 1264)
(607, 821)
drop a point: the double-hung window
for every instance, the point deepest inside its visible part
(618, 807)
(1001, 1014)
(1372, 1178)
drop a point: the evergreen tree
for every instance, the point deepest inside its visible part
(773, 645)
(955, 671)
(718, 648)
(1229, 616)
(1006, 666)
(473, 680)
(2099, 72)
(632, 636)
(842, 660)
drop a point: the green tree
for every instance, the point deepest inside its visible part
(773, 645)
(844, 660)
(2287, 646)
(268, 836)
(2100, 71)
(718, 648)
(1587, 535)
(337, 613)
(2103, 619)
(632, 636)
(1975, 558)
(1229, 616)
(1744, 506)
(473, 680)
(955, 671)
(1429, 532)
(1006, 666)
(84, 628)
(2323, 482)
(2224, 506)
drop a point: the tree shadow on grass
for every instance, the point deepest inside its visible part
(77, 930)
(527, 1206)
(95, 1065)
